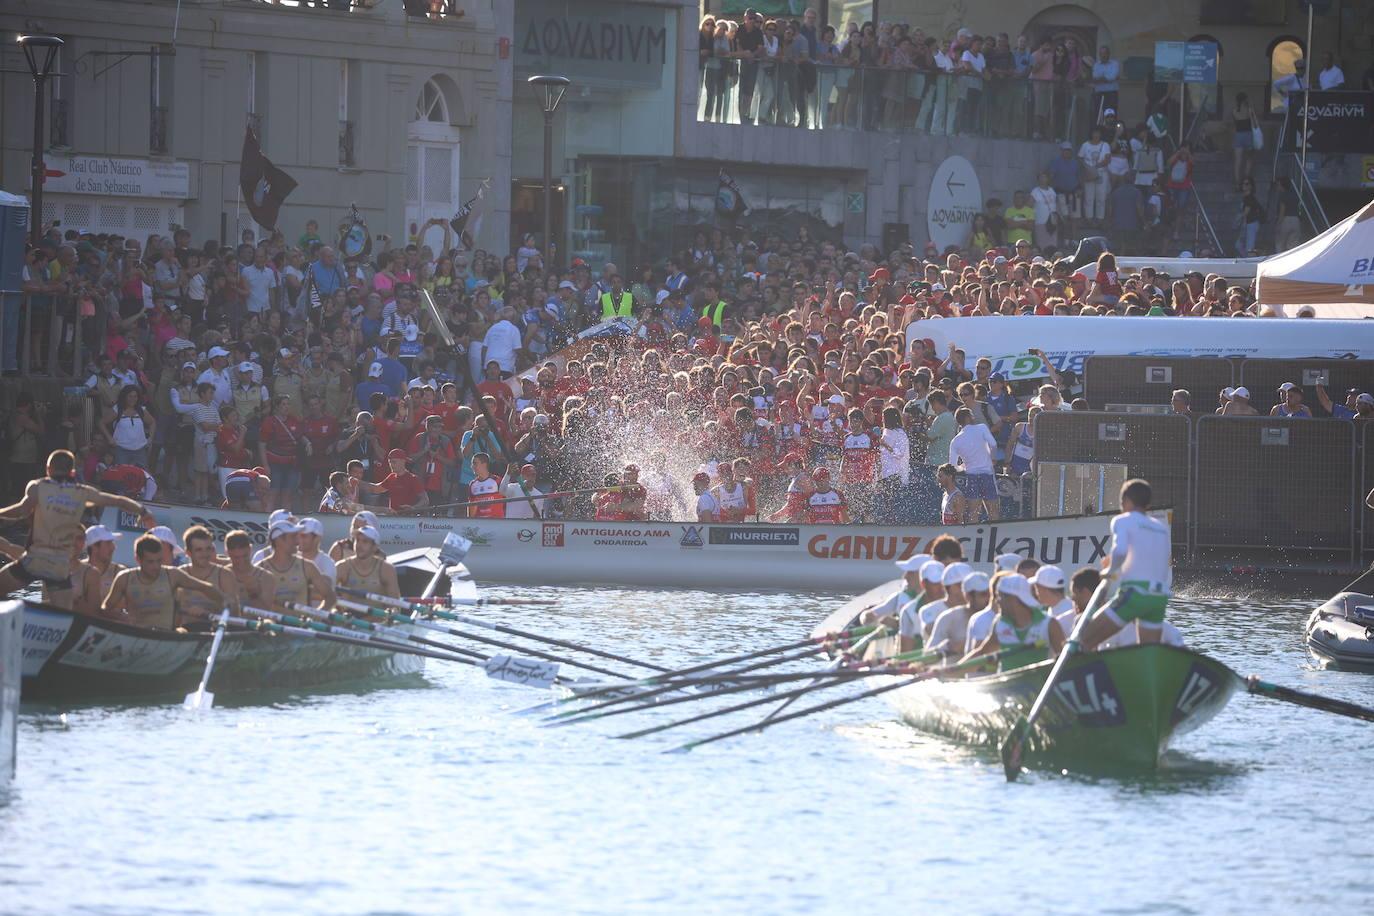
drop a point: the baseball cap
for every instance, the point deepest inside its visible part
(821, 472)
(1066, 145)
(1109, 111)
(662, 296)
(189, 364)
(164, 534)
(914, 563)
(1017, 586)
(285, 352)
(955, 573)
(278, 515)
(568, 284)
(1243, 393)
(374, 370)
(1048, 577)
(370, 532)
(312, 526)
(367, 516)
(217, 351)
(245, 366)
(1287, 386)
(975, 582)
(933, 571)
(997, 377)
(1007, 562)
(835, 399)
(283, 526)
(99, 534)
(881, 273)
(1365, 398)
(396, 454)
(1228, 393)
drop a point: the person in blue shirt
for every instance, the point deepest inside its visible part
(1003, 401)
(677, 280)
(394, 372)
(373, 384)
(326, 273)
(1065, 177)
(1358, 404)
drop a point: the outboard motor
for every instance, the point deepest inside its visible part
(1088, 251)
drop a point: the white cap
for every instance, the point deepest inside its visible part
(164, 534)
(189, 364)
(1287, 386)
(279, 515)
(284, 352)
(245, 366)
(835, 399)
(568, 284)
(284, 526)
(914, 563)
(541, 419)
(1007, 562)
(955, 573)
(217, 351)
(975, 582)
(1242, 392)
(663, 294)
(369, 532)
(1228, 393)
(367, 516)
(1017, 586)
(933, 571)
(99, 534)
(312, 526)
(374, 370)
(1048, 577)
(1364, 398)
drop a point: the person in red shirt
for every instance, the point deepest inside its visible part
(484, 487)
(403, 489)
(280, 450)
(434, 457)
(229, 441)
(607, 504)
(825, 505)
(321, 433)
(491, 385)
(633, 496)
(858, 469)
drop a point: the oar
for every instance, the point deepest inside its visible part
(1310, 700)
(821, 707)
(443, 601)
(463, 634)
(393, 633)
(400, 605)
(1013, 746)
(202, 698)
(835, 664)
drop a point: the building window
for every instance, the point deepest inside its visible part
(1283, 54)
(59, 115)
(159, 94)
(431, 104)
(346, 123)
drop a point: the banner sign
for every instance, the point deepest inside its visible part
(1337, 122)
(1070, 340)
(1186, 61)
(593, 41)
(117, 177)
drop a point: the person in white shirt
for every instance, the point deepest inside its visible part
(308, 546)
(1140, 560)
(1095, 154)
(502, 340)
(258, 280)
(932, 592)
(887, 610)
(1048, 586)
(949, 634)
(523, 487)
(952, 580)
(708, 509)
(1331, 77)
(975, 448)
(1045, 201)
(218, 375)
(1289, 84)
(894, 467)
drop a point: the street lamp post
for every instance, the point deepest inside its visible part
(41, 53)
(551, 90)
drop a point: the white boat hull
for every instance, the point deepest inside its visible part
(753, 555)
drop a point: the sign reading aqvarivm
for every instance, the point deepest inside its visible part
(601, 42)
(113, 177)
(956, 197)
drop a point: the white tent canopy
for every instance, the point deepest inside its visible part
(1336, 267)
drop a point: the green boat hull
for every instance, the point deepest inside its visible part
(1110, 711)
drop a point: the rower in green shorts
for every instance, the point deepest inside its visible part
(1140, 562)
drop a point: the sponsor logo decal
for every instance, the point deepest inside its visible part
(1198, 688)
(1090, 693)
(553, 534)
(524, 535)
(691, 536)
(760, 537)
(862, 547)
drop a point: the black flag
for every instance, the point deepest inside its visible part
(466, 236)
(265, 187)
(729, 200)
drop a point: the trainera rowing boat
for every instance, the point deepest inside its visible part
(1340, 633)
(1113, 710)
(660, 554)
(69, 656)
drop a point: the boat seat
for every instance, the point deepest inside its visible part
(1362, 613)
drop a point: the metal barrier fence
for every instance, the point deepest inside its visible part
(833, 96)
(1152, 379)
(53, 339)
(1158, 448)
(1264, 376)
(1275, 482)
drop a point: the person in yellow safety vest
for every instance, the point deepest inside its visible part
(617, 303)
(714, 308)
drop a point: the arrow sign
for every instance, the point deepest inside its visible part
(951, 184)
(955, 198)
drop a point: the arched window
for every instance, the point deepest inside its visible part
(1283, 54)
(431, 105)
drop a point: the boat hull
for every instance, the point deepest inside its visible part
(1110, 711)
(67, 656)
(1336, 639)
(830, 558)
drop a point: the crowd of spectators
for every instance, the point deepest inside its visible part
(275, 374)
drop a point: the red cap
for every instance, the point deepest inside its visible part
(701, 475)
(704, 322)
(820, 472)
(397, 453)
(880, 274)
(908, 299)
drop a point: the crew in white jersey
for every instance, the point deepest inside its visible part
(951, 628)
(888, 610)
(980, 623)
(953, 581)
(1140, 563)
(708, 509)
(1048, 586)
(909, 617)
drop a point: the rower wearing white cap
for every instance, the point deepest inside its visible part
(312, 532)
(99, 567)
(1006, 562)
(950, 631)
(173, 555)
(1049, 586)
(1140, 559)
(298, 582)
(343, 547)
(952, 578)
(277, 515)
(980, 623)
(1020, 624)
(909, 617)
(891, 606)
(368, 568)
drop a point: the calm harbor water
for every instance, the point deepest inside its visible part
(435, 796)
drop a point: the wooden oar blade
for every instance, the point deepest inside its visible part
(527, 672)
(1013, 747)
(198, 700)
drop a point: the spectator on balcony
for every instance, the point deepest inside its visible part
(801, 75)
(748, 47)
(1002, 80)
(1291, 83)
(972, 68)
(771, 57)
(846, 83)
(900, 63)
(1106, 73)
(1249, 219)
(870, 82)
(1095, 155)
(716, 77)
(1331, 76)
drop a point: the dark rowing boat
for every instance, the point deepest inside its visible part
(1340, 633)
(68, 656)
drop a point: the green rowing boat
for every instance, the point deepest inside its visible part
(1110, 711)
